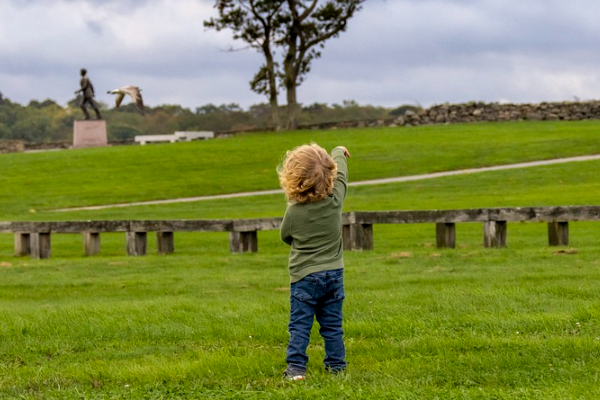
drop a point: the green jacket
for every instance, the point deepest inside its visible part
(314, 230)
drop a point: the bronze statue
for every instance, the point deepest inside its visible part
(87, 91)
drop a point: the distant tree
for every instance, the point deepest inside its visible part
(231, 107)
(171, 109)
(31, 125)
(207, 109)
(223, 108)
(8, 112)
(43, 104)
(74, 102)
(260, 111)
(4, 131)
(122, 131)
(299, 27)
(311, 23)
(257, 23)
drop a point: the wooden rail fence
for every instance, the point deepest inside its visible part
(34, 238)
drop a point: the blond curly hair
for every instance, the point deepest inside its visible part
(306, 174)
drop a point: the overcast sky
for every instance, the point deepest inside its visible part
(394, 52)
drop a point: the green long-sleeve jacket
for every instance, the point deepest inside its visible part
(314, 230)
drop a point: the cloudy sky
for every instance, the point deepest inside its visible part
(394, 52)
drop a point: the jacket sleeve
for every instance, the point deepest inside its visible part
(285, 232)
(340, 186)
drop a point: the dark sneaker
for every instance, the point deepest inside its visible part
(335, 371)
(292, 374)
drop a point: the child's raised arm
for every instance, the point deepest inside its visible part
(346, 152)
(341, 180)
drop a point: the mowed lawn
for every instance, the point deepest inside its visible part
(38, 182)
(420, 323)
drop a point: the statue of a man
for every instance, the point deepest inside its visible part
(87, 91)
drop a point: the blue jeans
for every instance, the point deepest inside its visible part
(319, 295)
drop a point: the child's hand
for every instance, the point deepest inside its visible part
(346, 152)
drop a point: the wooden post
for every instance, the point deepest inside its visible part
(243, 242)
(445, 235)
(165, 242)
(136, 243)
(40, 245)
(358, 236)
(22, 244)
(91, 243)
(494, 234)
(558, 233)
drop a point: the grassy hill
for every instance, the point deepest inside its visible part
(420, 323)
(51, 180)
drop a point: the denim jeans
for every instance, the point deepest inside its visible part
(319, 295)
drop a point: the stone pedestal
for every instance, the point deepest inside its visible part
(89, 133)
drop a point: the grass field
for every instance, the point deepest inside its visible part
(44, 181)
(420, 323)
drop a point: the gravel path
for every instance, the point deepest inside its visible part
(359, 183)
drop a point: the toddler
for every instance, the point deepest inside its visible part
(315, 185)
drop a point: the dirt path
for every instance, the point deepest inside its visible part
(359, 183)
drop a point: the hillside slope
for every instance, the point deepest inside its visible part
(51, 180)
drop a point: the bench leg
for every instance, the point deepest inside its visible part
(445, 235)
(558, 233)
(165, 242)
(40, 245)
(91, 243)
(358, 237)
(22, 244)
(243, 242)
(494, 234)
(136, 243)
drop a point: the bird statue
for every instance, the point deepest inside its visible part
(132, 91)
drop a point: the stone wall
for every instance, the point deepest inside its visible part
(477, 112)
(11, 146)
(490, 112)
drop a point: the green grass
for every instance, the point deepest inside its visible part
(43, 181)
(420, 323)
(560, 184)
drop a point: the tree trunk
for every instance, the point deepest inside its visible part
(292, 106)
(274, 104)
(291, 76)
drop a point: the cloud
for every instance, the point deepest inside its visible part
(393, 52)
(149, 42)
(435, 51)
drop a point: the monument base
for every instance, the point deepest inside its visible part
(89, 133)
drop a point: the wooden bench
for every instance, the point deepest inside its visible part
(34, 238)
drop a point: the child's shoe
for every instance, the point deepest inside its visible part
(335, 371)
(292, 374)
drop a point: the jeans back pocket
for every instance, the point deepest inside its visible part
(304, 289)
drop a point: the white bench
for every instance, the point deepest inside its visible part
(189, 136)
(176, 137)
(143, 139)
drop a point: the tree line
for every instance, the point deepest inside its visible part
(47, 121)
